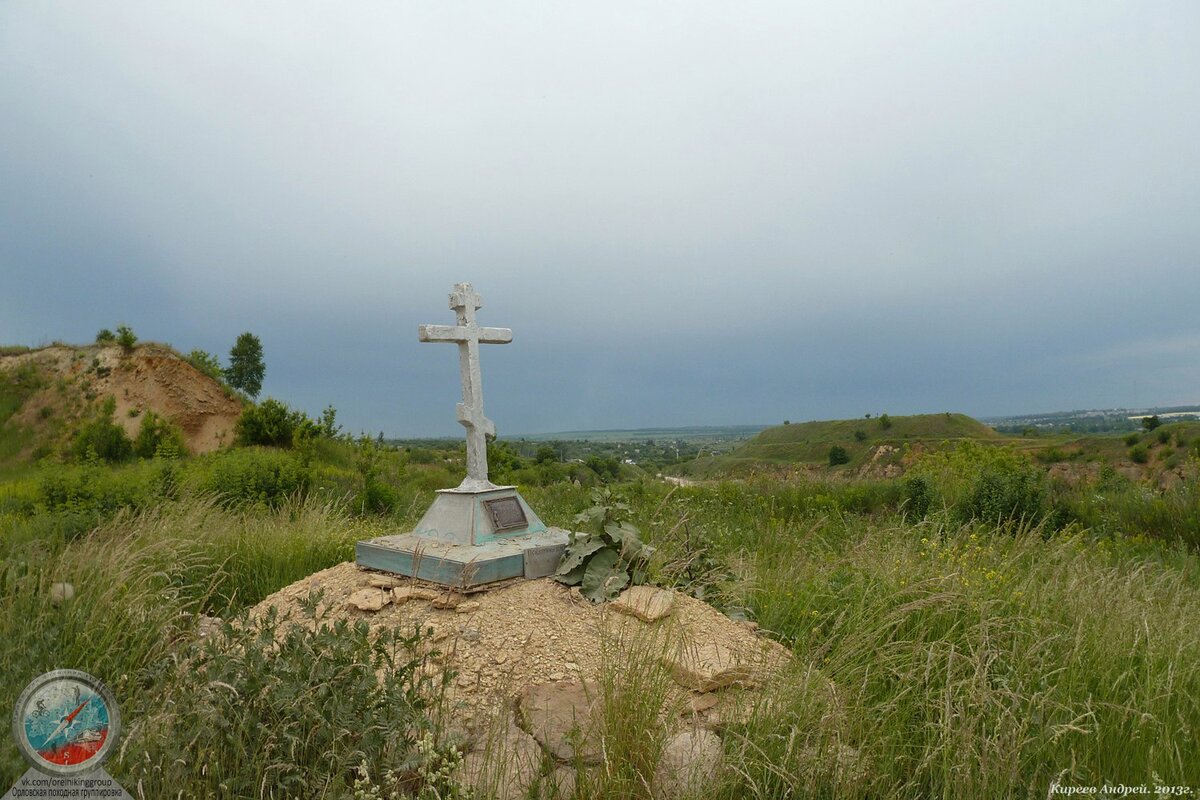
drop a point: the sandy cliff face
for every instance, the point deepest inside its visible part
(72, 381)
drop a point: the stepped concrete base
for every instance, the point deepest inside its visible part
(533, 555)
(470, 536)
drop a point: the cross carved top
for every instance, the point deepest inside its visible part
(468, 336)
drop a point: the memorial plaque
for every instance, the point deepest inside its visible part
(543, 561)
(506, 513)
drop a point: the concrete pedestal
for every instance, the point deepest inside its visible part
(470, 537)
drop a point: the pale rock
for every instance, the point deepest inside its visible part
(467, 607)
(383, 581)
(370, 599)
(647, 603)
(61, 592)
(447, 600)
(700, 703)
(561, 717)
(690, 762)
(706, 667)
(402, 594)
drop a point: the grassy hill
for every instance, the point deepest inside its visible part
(876, 443)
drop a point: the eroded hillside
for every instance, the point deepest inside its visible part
(48, 392)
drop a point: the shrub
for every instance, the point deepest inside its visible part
(1139, 454)
(1151, 422)
(102, 439)
(374, 496)
(1003, 492)
(607, 553)
(158, 437)
(885, 421)
(1132, 439)
(256, 478)
(271, 423)
(860, 435)
(1164, 436)
(838, 455)
(918, 496)
(126, 338)
(207, 363)
(105, 336)
(297, 710)
(91, 493)
(976, 481)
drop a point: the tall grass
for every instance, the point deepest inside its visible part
(982, 665)
(140, 581)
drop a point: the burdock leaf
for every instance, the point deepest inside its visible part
(603, 578)
(576, 553)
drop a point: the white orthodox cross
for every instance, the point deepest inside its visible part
(468, 336)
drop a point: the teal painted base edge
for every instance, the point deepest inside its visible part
(447, 572)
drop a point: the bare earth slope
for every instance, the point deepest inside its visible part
(59, 386)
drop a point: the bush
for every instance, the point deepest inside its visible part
(918, 496)
(256, 478)
(605, 553)
(1151, 422)
(838, 455)
(1164, 436)
(93, 494)
(102, 438)
(1132, 439)
(885, 421)
(297, 710)
(1139, 454)
(158, 437)
(975, 481)
(1005, 493)
(207, 363)
(860, 435)
(105, 336)
(126, 338)
(271, 423)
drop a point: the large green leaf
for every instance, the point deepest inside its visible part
(619, 531)
(604, 577)
(577, 552)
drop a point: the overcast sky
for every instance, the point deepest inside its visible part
(689, 213)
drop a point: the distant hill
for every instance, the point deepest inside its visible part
(875, 445)
(47, 393)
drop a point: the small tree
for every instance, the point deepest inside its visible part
(838, 455)
(126, 338)
(246, 367)
(1151, 422)
(885, 421)
(328, 423)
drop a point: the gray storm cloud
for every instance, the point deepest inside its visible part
(688, 213)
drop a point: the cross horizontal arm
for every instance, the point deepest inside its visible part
(459, 333)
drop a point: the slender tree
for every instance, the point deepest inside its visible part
(246, 368)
